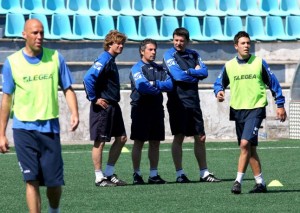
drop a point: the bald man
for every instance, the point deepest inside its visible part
(30, 94)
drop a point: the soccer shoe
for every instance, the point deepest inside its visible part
(137, 179)
(105, 183)
(259, 188)
(236, 188)
(210, 178)
(182, 179)
(114, 178)
(156, 180)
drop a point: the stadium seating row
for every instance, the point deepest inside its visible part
(207, 28)
(153, 7)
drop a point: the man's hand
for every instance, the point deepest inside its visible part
(281, 114)
(102, 102)
(4, 147)
(221, 96)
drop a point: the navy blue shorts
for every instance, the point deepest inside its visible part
(106, 123)
(247, 124)
(147, 124)
(186, 121)
(39, 156)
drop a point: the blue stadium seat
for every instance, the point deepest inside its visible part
(275, 28)
(103, 24)
(230, 8)
(167, 26)
(251, 8)
(167, 7)
(128, 26)
(14, 25)
(232, 25)
(212, 29)
(13, 6)
(35, 6)
(188, 8)
(61, 26)
(292, 28)
(82, 26)
(43, 18)
(148, 28)
(80, 7)
(124, 8)
(272, 7)
(209, 7)
(145, 7)
(2, 9)
(192, 24)
(102, 7)
(57, 6)
(290, 6)
(255, 28)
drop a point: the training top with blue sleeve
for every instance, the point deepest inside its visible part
(65, 80)
(266, 76)
(102, 79)
(181, 67)
(148, 81)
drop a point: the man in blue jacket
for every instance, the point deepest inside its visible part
(186, 69)
(148, 81)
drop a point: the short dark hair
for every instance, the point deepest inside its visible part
(181, 31)
(239, 35)
(144, 43)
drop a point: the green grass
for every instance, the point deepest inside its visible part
(280, 161)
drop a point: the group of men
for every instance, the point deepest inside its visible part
(33, 106)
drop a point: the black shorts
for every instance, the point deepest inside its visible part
(186, 121)
(247, 123)
(39, 156)
(147, 123)
(106, 123)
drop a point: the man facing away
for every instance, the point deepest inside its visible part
(102, 86)
(248, 76)
(148, 81)
(186, 69)
(30, 88)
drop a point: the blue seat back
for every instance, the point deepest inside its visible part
(119, 5)
(192, 24)
(274, 26)
(127, 25)
(82, 25)
(289, 5)
(248, 5)
(60, 25)
(232, 25)
(104, 24)
(148, 27)
(255, 26)
(57, 6)
(292, 26)
(226, 5)
(205, 5)
(14, 25)
(212, 26)
(32, 4)
(77, 5)
(141, 5)
(183, 5)
(162, 5)
(167, 26)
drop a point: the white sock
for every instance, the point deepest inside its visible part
(239, 177)
(51, 210)
(109, 170)
(259, 179)
(179, 172)
(204, 172)
(153, 172)
(99, 175)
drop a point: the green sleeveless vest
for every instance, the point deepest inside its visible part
(36, 92)
(247, 89)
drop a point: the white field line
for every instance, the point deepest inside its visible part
(168, 150)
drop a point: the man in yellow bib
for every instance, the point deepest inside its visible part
(31, 77)
(248, 76)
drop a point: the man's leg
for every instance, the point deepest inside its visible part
(153, 154)
(200, 151)
(136, 155)
(177, 151)
(33, 196)
(97, 154)
(54, 195)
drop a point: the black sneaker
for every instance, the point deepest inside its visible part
(114, 178)
(182, 179)
(236, 188)
(259, 188)
(137, 179)
(156, 180)
(210, 178)
(105, 183)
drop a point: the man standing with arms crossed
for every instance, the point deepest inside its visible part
(186, 69)
(148, 81)
(102, 86)
(30, 88)
(248, 76)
